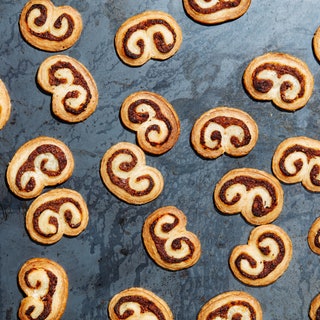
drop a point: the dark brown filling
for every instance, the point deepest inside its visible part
(225, 122)
(258, 207)
(220, 5)
(317, 239)
(158, 38)
(41, 20)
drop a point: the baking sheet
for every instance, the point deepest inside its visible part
(206, 72)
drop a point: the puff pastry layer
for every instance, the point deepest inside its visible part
(41, 162)
(314, 311)
(5, 105)
(297, 159)
(74, 91)
(224, 130)
(149, 35)
(125, 173)
(264, 259)
(138, 303)
(281, 78)
(256, 194)
(215, 11)
(50, 28)
(168, 242)
(153, 118)
(45, 284)
(56, 213)
(231, 305)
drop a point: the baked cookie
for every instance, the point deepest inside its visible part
(316, 43)
(264, 259)
(153, 118)
(281, 78)
(56, 213)
(74, 91)
(45, 284)
(5, 105)
(125, 173)
(41, 162)
(50, 28)
(314, 311)
(231, 305)
(138, 303)
(256, 194)
(314, 236)
(168, 242)
(215, 11)
(297, 159)
(224, 130)
(149, 35)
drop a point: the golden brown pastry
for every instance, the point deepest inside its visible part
(50, 28)
(316, 43)
(153, 118)
(5, 105)
(231, 305)
(256, 194)
(215, 11)
(297, 159)
(148, 35)
(264, 259)
(125, 173)
(45, 284)
(224, 130)
(314, 311)
(281, 78)
(40, 162)
(56, 213)
(168, 242)
(74, 91)
(314, 236)
(138, 303)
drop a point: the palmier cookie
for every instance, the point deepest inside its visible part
(45, 284)
(168, 242)
(297, 159)
(125, 173)
(264, 259)
(50, 28)
(5, 105)
(314, 310)
(41, 162)
(224, 130)
(256, 194)
(231, 305)
(153, 118)
(281, 78)
(56, 213)
(138, 303)
(149, 35)
(314, 237)
(74, 91)
(213, 11)
(316, 43)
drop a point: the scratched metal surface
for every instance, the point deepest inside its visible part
(206, 72)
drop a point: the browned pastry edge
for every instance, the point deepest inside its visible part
(145, 113)
(55, 16)
(316, 43)
(174, 232)
(314, 236)
(314, 310)
(5, 105)
(147, 300)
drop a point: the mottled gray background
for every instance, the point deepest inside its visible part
(206, 72)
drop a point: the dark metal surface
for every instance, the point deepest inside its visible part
(206, 72)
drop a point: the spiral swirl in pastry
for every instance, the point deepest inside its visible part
(125, 173)
(168, 242)
(224, 129)
(41, 162)
(256, 194)
(215, 11)
(154, 119)
(314, 311)
(50, 28)
(314, 237)
(74, 91)
(297, 159)
(264, 259)
(45, 284)
(231, 305)
(149, 35)
(5, 105)
(138, 303)
(281, 78)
